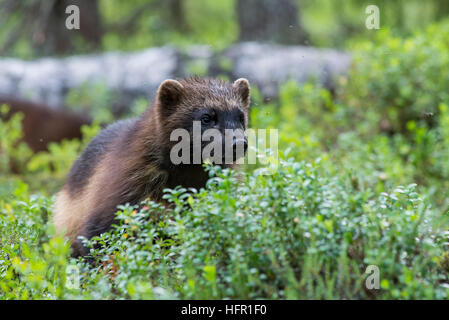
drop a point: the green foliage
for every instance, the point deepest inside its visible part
(298, 233)
(60, 157)
(375, 128)
(332, 23)
(397, 90)
(362, 180)
(202, 22)
(46, 169)
(145, 23)
(92, 98)
(284, 231)
(32, 260)
(13, 152)
(404, 80)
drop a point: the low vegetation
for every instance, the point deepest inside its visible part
(361, 180)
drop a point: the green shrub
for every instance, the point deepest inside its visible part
(32, 260)
(397, 88)
(60, 156)
(13, 152)
(293, 234)
(401, 79)
(43, 171)
(94, 99)
(387, 123)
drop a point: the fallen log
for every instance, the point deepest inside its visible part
(42, 124)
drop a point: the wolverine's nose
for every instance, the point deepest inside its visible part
(239, 147)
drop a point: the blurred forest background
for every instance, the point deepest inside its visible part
(28, 27)
(362, 176)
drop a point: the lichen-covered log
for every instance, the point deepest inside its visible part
(268, 65)
(137, 74)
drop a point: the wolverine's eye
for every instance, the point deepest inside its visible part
(206, 119)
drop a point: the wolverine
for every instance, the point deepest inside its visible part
(129, 161)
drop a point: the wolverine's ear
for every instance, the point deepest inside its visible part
(169, 93)
(243, 88)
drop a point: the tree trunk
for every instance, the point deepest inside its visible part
(57, 39)
(176, 16)
(270, 20)
(43, 24)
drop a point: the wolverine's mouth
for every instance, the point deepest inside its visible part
(230, 155)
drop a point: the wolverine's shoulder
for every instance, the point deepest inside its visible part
(84, 166)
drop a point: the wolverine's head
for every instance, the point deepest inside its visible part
(204, 119)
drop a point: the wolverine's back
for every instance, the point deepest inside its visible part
(77, 198)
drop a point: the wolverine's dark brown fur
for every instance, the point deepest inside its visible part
(130, 160)
(42, 124)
